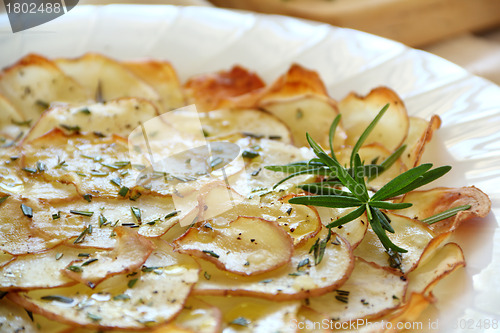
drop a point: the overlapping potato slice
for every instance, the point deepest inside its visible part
(114, 117)
(11, 121)
(14, 318)
(427, 274)
(431, 202)
(411, 235)
(357, 113)
(105, 79)
(34, 82)
(216, 90)
(17, 234)
(246, 246)
(419, 134)
(161, 76)
(246, 314)
(299, 279)
(138, 300)
(310, 321)
(5, 258)
(130, 252)
(353, 232)
(256, 122)
(369, 292)
(91, 224)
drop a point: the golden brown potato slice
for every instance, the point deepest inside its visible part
(245, 246)
(256, 122)
(5, 258)
(353, 232)
(431, 202)
(246, 314)
(411, 235)
(119, 117)
(300, 279)
(138, 300)
(369, 292)
(34, 82)
(161, 76)
(104, 78)
(357, 112)
(14, 318)
(419, 134)
(11, 120)
(130, 252)
(216, 90)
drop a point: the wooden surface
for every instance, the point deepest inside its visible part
(413, 22)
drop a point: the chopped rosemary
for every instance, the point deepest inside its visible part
(29, 169)
(123, 191)
(136, 212)
(42, 104)
(123, 297)
(302, 263)
(57, 298)
(102, 220)
(81, 212)
(85, 111)
(266, 281)
(249, 154)
(90, 261)
(56, 215)
(240, 321)
(59, 255)
(40, 166)
(171, 214)
(131, 283)
(94, 317)
(87, 197)
(70, 128)
(212, 253)
(76, 269)
(27, 211)
(207, 276)
(116, 181)
(2, 199)
(26, 123)
(98, 173)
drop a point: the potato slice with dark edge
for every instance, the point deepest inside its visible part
(369, 292)
(12, 122)
(431, 202)
(150, 297)
(353, 232)
(130, 252)
(245, 246)
(419, 134)
(300, 279)
(34, 82)
(357, 113)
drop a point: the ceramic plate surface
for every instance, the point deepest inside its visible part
(201, 39)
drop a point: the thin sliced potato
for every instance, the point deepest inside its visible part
(419, 134)
(34, 82)
(246, 314)
(353, 232)
(105, 79)
(245, 246)
(161, 76)
(5, 258)
(253, 121)
(213, 91)
(11, 120)
(370, 292)
(310, 321)
(357, 112)
(130, 252)
(114, 117)
(300, 279)
(411, 235)
(150, 297)
(431, 202)
(14, 318)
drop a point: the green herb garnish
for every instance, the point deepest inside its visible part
(446, 214)
(27, 211)
(240, 321)
(57, 298)
(81, 212)
(137, 213)
(2, 199)
(132, 283)
(212, 253)
(123, 191)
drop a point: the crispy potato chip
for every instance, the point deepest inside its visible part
(5, 258)
(245, 246)
(249, 121)
(419, 134)
(34, 82)
(105, 79)
(11, 120)
(14, 318)
(130, 252)
(147, 298)
(353, 232)
(246, 314)
(357, 112)
(213, 91)
(431, 202)
(369, 292)
(300, 279)
(310, 321)
(114, 117)
(411, 235)
(161, 76)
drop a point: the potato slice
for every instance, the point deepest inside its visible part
(246, 314)
(300, 279)
(353, 232)
(213, 91)
(256, 122)
(245, 246)
(147, 298)
(5, 258)
(130, 252)
(310, 321)
(34, 82)
(369, 292)
(427, 274)
(17, 235)
(114, 117)
(357, 112)
(11, 120)
(14, 318)
(104, 78)
(419, 134)
(161, 76)
(431, 202)
(411, 235)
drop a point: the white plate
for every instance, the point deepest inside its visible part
(197, 40)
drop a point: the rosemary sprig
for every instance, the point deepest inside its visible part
(353, 179)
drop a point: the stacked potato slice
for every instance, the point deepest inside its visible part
(92, 234)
